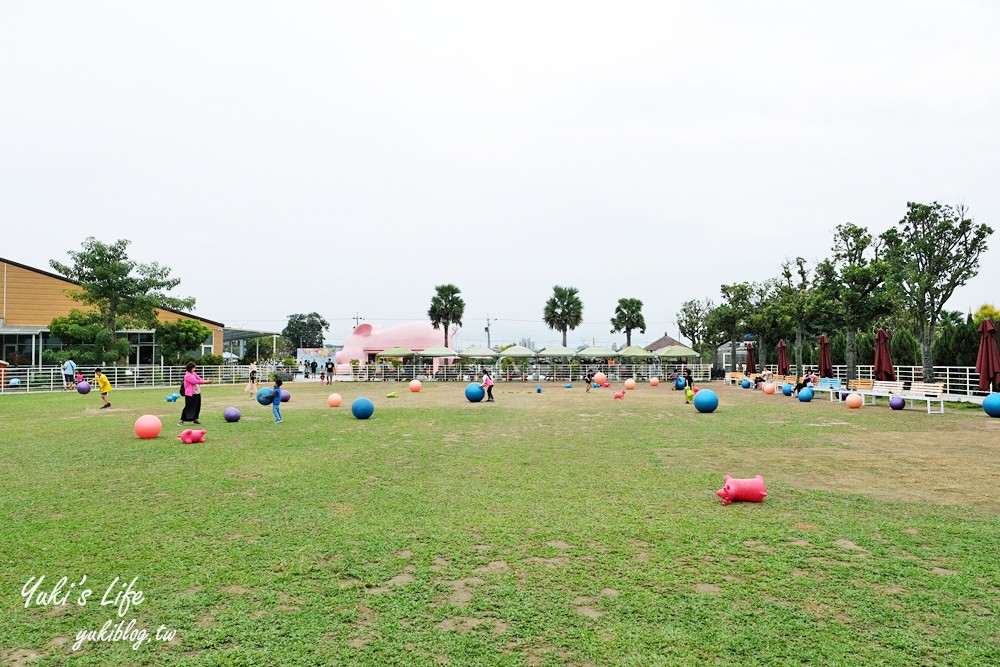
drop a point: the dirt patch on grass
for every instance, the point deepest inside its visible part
(496, 567)
(460, 624)
(957, 467)
(17, 657)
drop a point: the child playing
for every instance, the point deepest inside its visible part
(276, 401)
(102, 382)
(488, 385)
(590, 380)
(252, 384)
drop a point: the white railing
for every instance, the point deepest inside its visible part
(23, 380)
(958, 380)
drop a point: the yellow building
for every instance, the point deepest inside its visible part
(31, 298)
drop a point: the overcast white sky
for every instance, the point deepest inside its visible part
(347, 157)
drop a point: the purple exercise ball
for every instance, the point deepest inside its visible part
(285, 396)
(231, 415)
(83, 387)
(897, 403)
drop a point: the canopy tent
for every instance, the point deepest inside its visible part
(395, 352)
(477, 352)
(517, 351)
(557, 351)
(676, 352)
(635, 352)
(437, 352)
(596, 352)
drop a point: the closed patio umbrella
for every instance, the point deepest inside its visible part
(883, 360)
(988, 359)
(825, 362)
(783, 366)
(751, 359)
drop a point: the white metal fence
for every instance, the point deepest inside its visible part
(958, 380)
(22, 380)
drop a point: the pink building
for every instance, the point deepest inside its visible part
(367, 340)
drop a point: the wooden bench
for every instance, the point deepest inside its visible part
(734, 378)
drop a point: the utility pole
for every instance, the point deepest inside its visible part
(488, 322)
(357, 320)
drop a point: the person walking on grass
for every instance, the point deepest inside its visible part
(192, 395)
(252, 384)
(276, 400)
(102, 382)
(69, 374)
(487, 384)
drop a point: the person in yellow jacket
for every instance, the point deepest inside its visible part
(102, 382)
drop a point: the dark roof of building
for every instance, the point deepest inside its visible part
(661, 343)
(74, 282)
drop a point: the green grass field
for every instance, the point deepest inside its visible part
(560, 528)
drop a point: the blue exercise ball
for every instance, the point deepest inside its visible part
(805, 395)
(787, 390)
(362, 408)
(991, 404)
(265, 396)
(679, 383)
(745, 384)
(474, 392)
(538, 389)
(706, 401)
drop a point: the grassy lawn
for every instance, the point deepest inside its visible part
(560, 528)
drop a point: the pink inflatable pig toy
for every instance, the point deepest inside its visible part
(750, 490)
(190, 436)
(620, 394)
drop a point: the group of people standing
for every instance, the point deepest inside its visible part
(326, 370)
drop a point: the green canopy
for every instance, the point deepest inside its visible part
(597, 352)
(557, 351)
(635, 352)
(478, 352)
(676, 352)
(517, 351)
(437, 352)
(395, 352)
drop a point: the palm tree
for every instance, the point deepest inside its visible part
(563, 310)
(628, 317)
(447, 308)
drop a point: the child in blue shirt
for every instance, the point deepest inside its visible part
(276, 401)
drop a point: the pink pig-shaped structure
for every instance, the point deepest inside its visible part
(190, 436)
(751, 490)
(366, 340)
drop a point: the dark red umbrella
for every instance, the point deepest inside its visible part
(825, 364)
(783, 366)
(883, 360)
(988, 359)
(751, 361)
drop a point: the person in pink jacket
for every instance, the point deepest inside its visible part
(192, 395)
(487, 384)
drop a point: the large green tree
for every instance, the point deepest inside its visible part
(853, 284)
(305, 330)
(628, 317)
(934, 250)
(692, 323)
(447, 308)
(764, 317)
(118, 293)
(179, 339)
(728, 319)
(563, 310)
(801, 302)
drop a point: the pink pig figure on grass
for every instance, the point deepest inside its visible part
(190, 436)
(750, 490)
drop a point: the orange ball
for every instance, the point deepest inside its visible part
(654, 382)
(148, 427)
(854, 401)
(630, 384)
(415, 386)
(600, 378)
(768, 387)
(334, 400)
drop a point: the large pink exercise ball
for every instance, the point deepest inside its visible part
(415, 386)
(630, 384)
(654, 382)
(600, 378)
(854, 401)
(768, 387)
(148, 427)
(334, 400)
